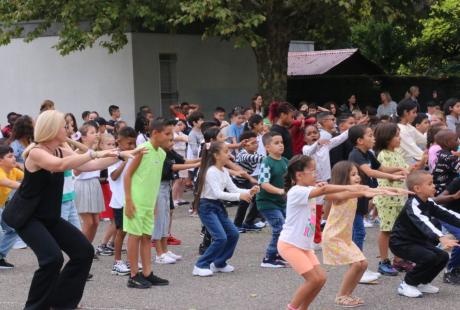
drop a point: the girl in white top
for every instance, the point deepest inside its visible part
(180, 146)
(410, 137)
(295, 243)
(215, 185)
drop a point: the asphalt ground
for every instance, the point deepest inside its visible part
(249, 287)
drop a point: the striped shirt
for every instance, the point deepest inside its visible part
(248, 162)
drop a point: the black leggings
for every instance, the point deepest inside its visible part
(50, 286)
(240, 216)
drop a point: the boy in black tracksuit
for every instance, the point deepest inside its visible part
(416, 233)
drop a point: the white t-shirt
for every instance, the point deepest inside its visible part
(116, 186)
(300, 224)
(86, 175)
(141, 138)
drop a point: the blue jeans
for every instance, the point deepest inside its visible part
(454, 261)
(223, 233)
(276, 220)
(70, 214)
(359, 232)
(7, 239)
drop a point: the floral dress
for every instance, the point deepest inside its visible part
(338, 246)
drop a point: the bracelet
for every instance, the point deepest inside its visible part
(120, 157)
(92, 154)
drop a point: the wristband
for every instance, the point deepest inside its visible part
(120, 157)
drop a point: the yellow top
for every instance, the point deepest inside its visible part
(14, 175)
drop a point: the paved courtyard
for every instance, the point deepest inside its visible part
(249, 287)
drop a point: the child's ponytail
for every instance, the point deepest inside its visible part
(297, 164)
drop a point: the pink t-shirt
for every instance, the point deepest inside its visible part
(433, 156)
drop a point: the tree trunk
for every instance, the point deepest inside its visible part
(272, 60)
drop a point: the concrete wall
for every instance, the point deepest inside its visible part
(209, 72)
(87, 80)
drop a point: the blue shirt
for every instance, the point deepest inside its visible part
(235, 131)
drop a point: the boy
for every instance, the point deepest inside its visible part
(249, 160)
(415, 236)
(271, 200)
(114, 112)
(126, 140)
(236, 128)
(362, 137)
(9, 177)
(219, 117)
(164, 205)
(421, 123)
(141, 184)
(432, 107)
(327, 122)
(195, 137)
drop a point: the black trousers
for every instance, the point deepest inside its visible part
(50, 286)
(429, 260)
(243, 207)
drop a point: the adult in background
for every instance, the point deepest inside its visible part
(46, 233)
(414, 93)
(257, 103)
(387, 105)
(350, 106)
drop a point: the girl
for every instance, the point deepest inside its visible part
(338, 247)
(410, 137)
(21, 136)
(106, 248)
(452, 112)
(295, 243)
(180, 146)
(89, 198)
(142, 128)
(387, 140)
(213, 180)
(71, 124)
(432, 146)
(257, 104)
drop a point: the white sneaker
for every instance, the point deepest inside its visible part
(119, 268)
(19, 244)
(202, 272)
(164, 259)
(368, 224)
(409, 290)
(226, 269)
(368, 278)
(175, 256)
(428, 288)
(317, 247)
(375, 274)
(260, 224)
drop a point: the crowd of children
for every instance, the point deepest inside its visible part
(313, 174)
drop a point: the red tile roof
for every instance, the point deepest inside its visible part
(316, 62)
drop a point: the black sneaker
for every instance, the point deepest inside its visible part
(103, 250)
(5, 265)
(451, 277)
(272, 263)
(241, 230)
(138, 281)
(155, 281)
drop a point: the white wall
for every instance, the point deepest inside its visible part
(89, 80)
(210, 72)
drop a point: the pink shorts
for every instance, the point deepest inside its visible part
(301, 261)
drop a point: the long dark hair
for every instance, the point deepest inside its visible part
(208, 159)
(22, 128)
(384, 133)
(74, 125)
(340, 174)
(297, 164)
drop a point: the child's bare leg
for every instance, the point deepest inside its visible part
(159, 247)
(352, 277)
(110, 230)
(146, 255)
(306, 293)
(133, 253)
(384, 241)
(119, 244)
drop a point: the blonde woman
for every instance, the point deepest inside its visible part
(46, 233)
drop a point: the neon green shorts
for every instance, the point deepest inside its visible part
(141, 223)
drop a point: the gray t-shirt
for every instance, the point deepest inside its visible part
(389, 109)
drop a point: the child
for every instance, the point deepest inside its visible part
(180, 146)
(141, 184)
(248, 159)
(164, 206)
(447, 165)
(432, 107)
(195, 138)
(387, 141)
(236, 127)
(363, 140)
(452, 112)
(432, 146)
(219, 117)
(319, 151)
(10, 176)
(421, 123)
(271, 201)
(327, 122)
(295, 243)
(415, 236)
(126, 141)
(106, 142)
(213, 179)
(281, 113)
(438, 117)
(340, 152)
(338, 248)
(115, 114)
(410, 137)
(89, 198)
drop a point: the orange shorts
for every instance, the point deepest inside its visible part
(301, 261)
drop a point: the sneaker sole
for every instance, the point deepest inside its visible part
(202, 276)
(160, 284)
(265, 265)
(138, 287)
(5, 267)
(401, 294)
(117, 273)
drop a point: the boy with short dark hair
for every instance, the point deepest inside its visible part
(195, 137)
(421, 123)
(271, 200)
(126, 140)
(9, 182)
(114, 112)
(327, 122)
(219, 117)
(141, 185)
(415, 236)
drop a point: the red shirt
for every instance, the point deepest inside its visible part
(298, 134)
